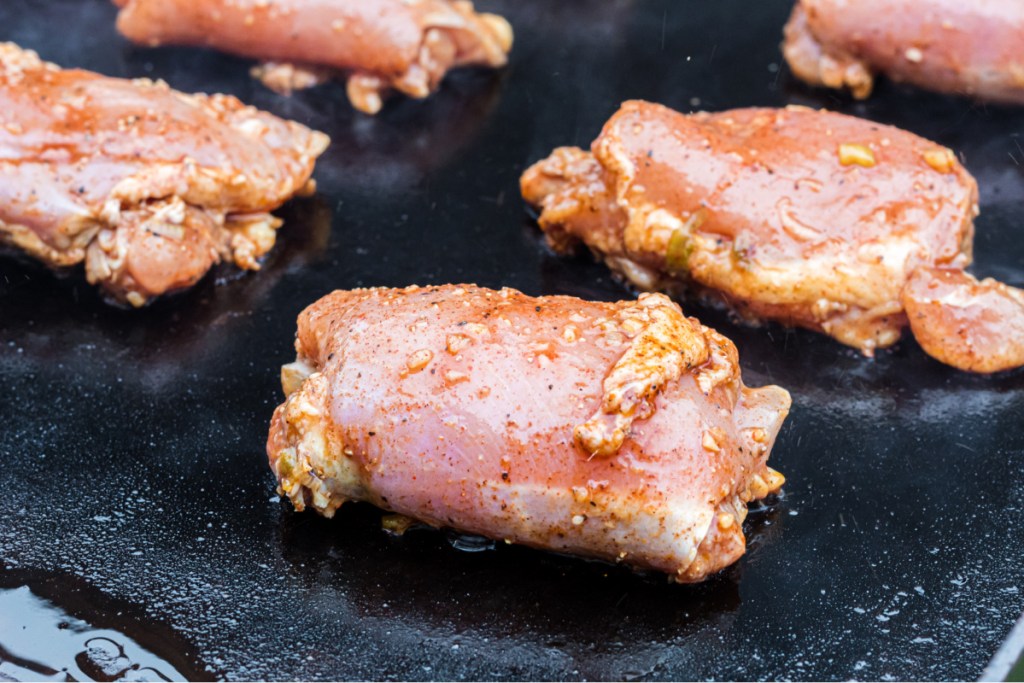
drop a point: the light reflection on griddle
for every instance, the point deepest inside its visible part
(91, 638)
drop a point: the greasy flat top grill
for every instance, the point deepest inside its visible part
(134, 486)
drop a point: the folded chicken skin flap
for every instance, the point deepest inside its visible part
(379, 45)
(971, 325)
(148, 186)
(810, 218)
(965, 48)
(613, 430)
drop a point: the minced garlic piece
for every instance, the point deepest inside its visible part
(396, 524)
(419, 360)
(710, 443)
(941, 159)
(457, 342)
(453, 377)
(860, 155)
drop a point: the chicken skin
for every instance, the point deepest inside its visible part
(618, 431)
(964, 48)
(380, 45)
(148, 186)
(806, 217)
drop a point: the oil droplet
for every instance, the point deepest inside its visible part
(469, 543)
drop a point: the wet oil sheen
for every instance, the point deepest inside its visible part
(468, 543)
(41, 641)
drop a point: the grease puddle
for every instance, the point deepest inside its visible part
(40, 640)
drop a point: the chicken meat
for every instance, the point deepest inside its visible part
(810, 218)
(965, 48)
(148, 186)
(379, 45)
(620, 431)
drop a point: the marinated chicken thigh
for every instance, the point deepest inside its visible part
(966, 48)
(148, 186)
(807, 217)
(380, 45)
(619, 431)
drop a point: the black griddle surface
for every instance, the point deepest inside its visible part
(132, 443)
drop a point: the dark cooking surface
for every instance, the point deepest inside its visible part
(133, 470)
